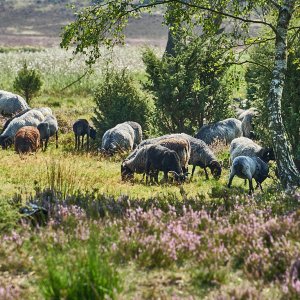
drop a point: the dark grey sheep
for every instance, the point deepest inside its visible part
(48, 128)
(81, 128)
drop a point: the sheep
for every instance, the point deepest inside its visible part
(225, 130)
(138, 133)
(121, 137)
(248, 168)
(136, 164)
(241, 113)
(81, 128)
(48, 128)
(11, 104)
(243, 146)
(182, 147)
(201, 155)
(27, 139)
(46, 111)
(30, 118)
(160, 158)
(13, 117)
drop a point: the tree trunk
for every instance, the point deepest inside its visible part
(288, 173)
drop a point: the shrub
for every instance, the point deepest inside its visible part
(28, 82)
(119, 99)
(190, 86)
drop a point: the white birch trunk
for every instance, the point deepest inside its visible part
(288, 173)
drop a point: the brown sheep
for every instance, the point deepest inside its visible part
(27, 139)
(181, 146)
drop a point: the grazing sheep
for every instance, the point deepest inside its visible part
(27, 139)
(182, 147)
(160, 158)
(138, 133)
(13, 117)
(201, 155)
(46, 111)
(225, 130)
(248, 168)
(243, 146)
(30, 118)
(136, 164)
(48, 128)
(81, 128)
(11, 104)
(119, 138)
(241, 113)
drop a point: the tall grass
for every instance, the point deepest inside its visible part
(58, 70)
(80, 274)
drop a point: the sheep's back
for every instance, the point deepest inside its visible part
(27, 139)
(11, 103)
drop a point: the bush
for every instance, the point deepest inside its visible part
(119, 99)
(190, 86)
(28, 82)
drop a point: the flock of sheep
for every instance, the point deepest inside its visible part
(171, 154)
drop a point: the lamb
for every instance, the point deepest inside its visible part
(11, 104)
(138, 133)
(201, 154)
(30, 118)
(81, 128)
(48, 128)
(248, 168)
(182, 147)
(160, 158)
(225, 130)
(27, 139)
(119, 138)
(243, 146)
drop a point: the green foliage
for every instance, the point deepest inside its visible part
(190, 86)
(85, 275)
(28, 82)
(119, 99)
(258, 78)
(9, 215)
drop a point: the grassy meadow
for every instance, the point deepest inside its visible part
(108, 239)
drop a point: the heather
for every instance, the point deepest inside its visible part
(231, 245)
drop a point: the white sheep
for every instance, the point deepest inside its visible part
(11, 104)
(243, 146)
(119, 138)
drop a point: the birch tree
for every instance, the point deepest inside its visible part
(103, 24)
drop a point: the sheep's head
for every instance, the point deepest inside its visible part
(267, 154)
(93, 132)
(6, 141)
(126, 173)
(215, 169)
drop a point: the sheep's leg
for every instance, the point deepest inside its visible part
(193, 170)
(206, 174)
(88, 142)
(245, 182)
(42, 145)
(56, 138)
(156, 177)
(230, 180)
(251, 189)
(82, 142)
(75, 142)
(166, 176)
(46, 144)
